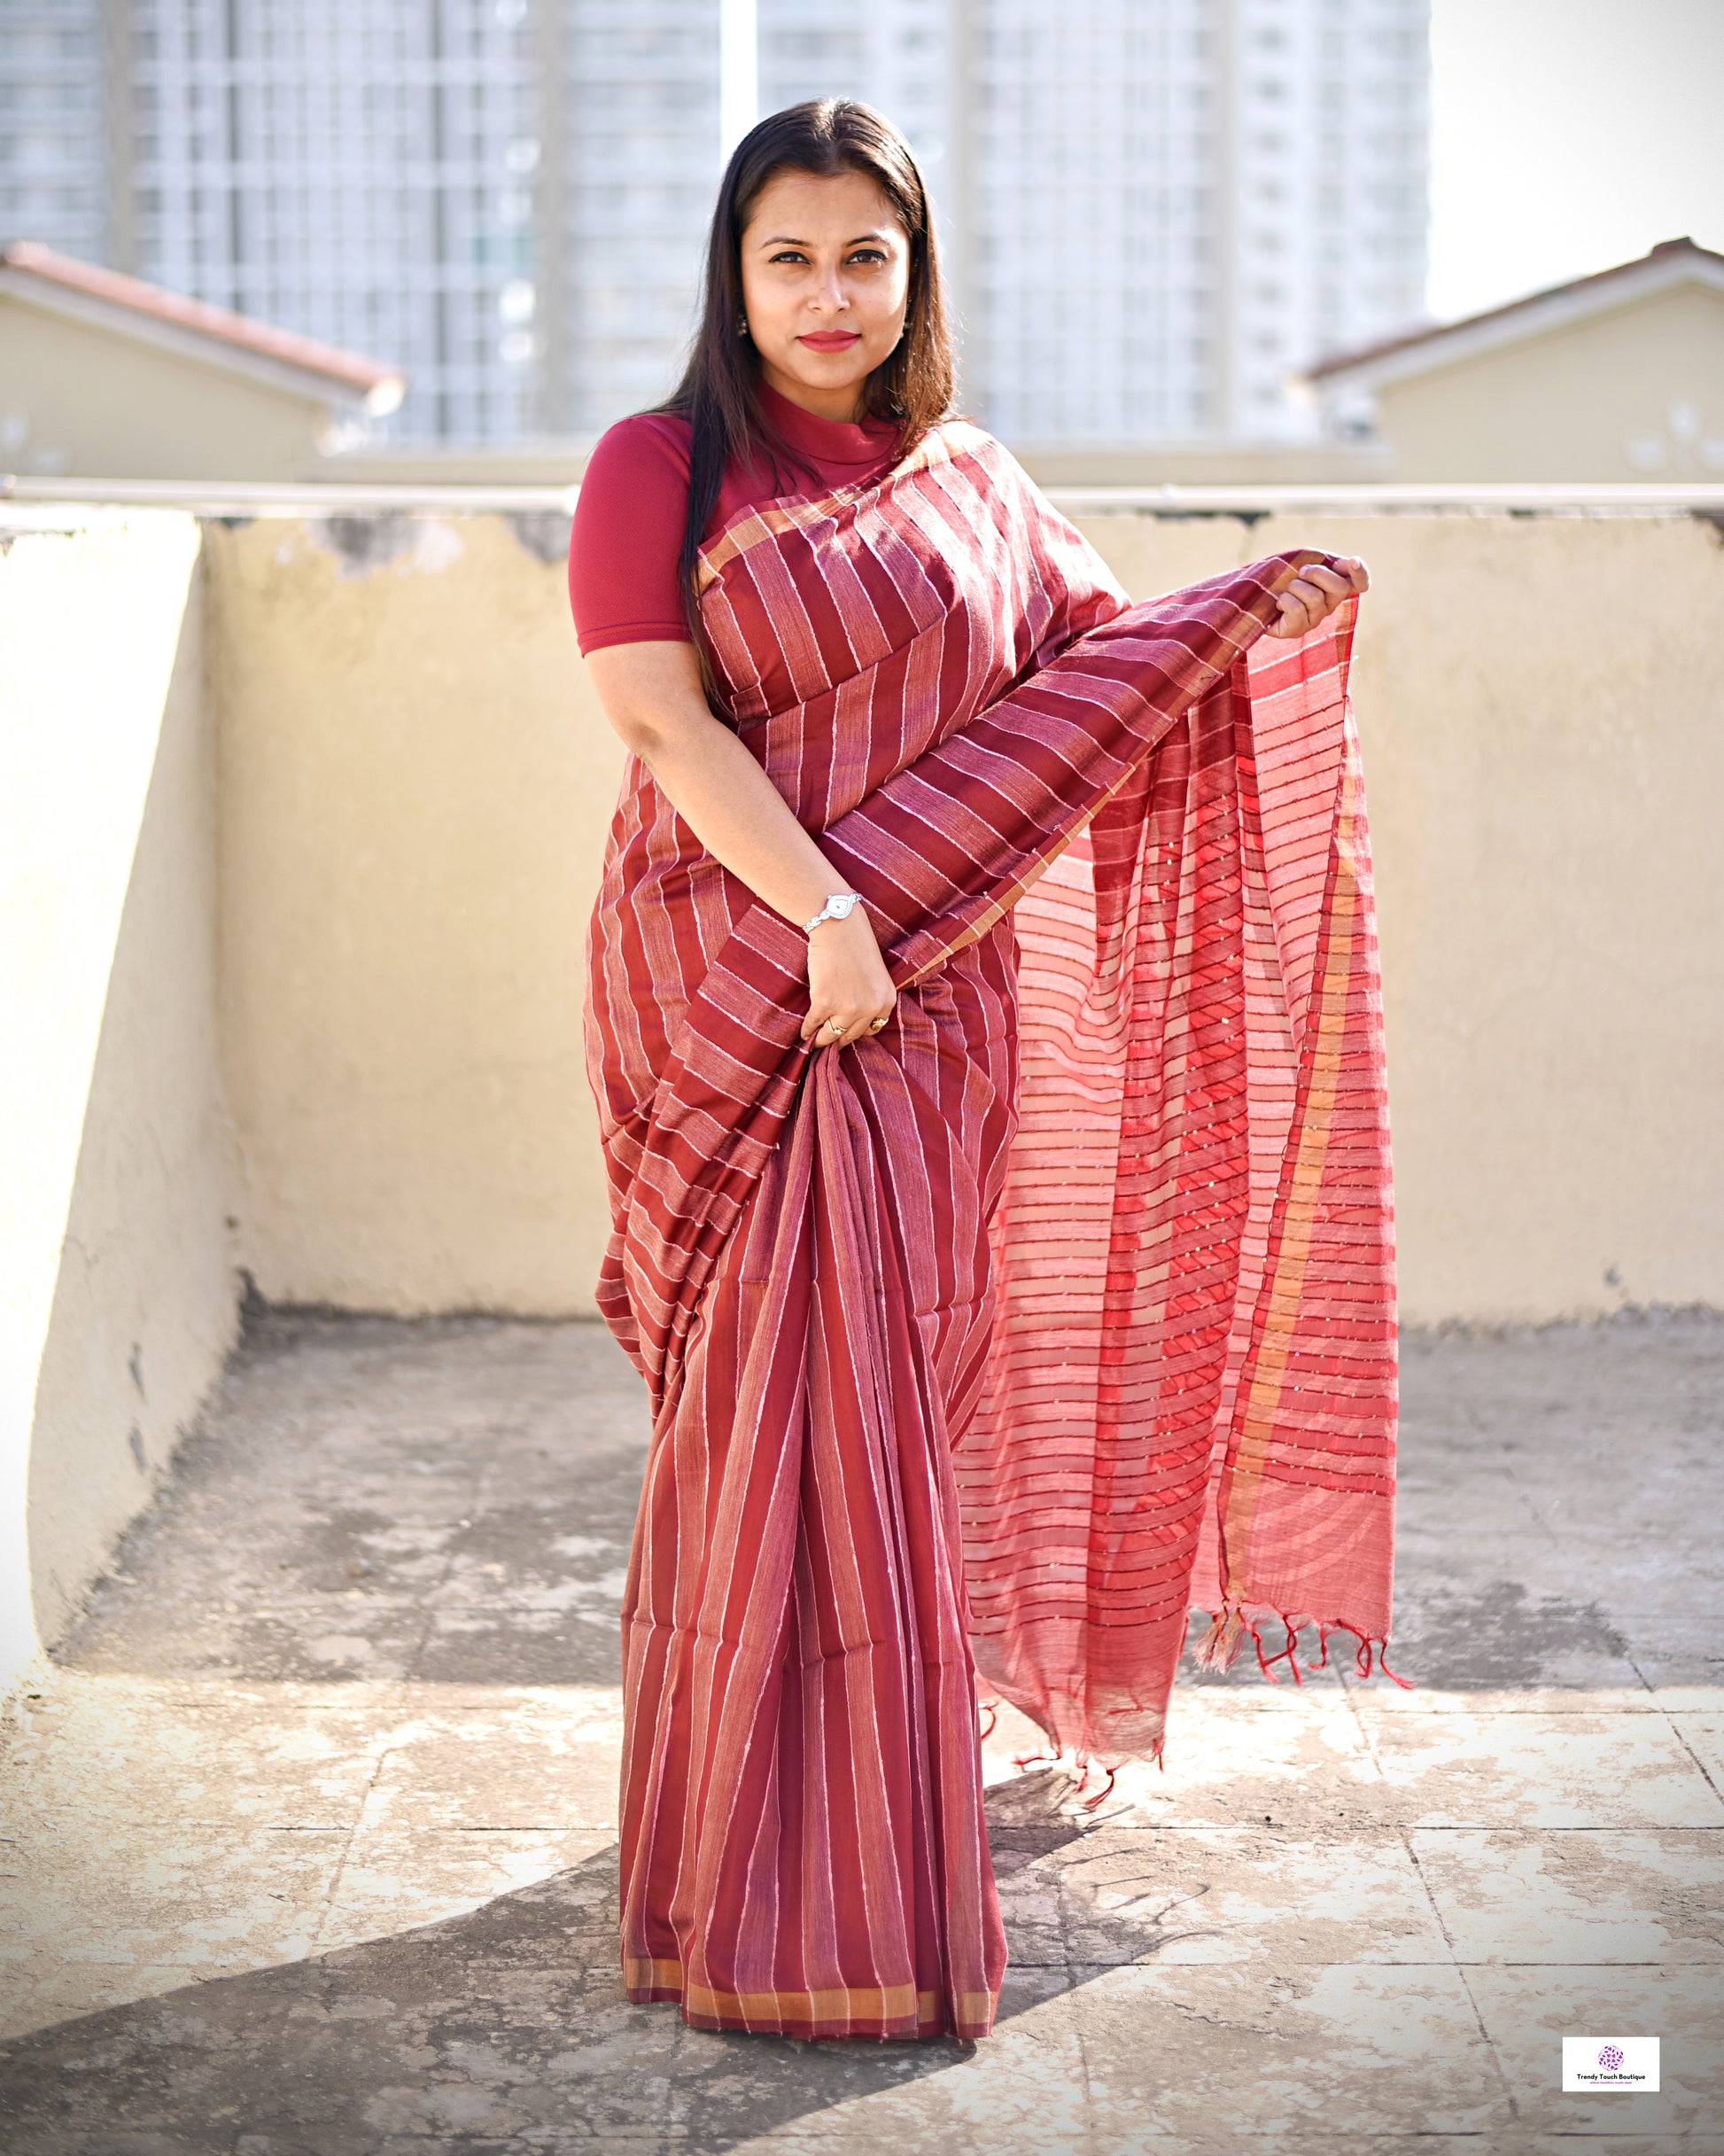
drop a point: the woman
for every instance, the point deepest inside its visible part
(992, 1288)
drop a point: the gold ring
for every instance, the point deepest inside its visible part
(833, 1025)
(879, 1026)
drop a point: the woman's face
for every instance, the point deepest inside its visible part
(825, 279)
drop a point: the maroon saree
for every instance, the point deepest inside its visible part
(989, 1344)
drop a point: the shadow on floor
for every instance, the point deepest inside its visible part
(504, 2030)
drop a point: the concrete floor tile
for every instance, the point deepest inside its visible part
(404, 2043)
(1537, 1770)
(398, 1879)
(1606, 2139)
(113, 1749)
(1373, 1699)
(126, 1894)
(387, 1569)
(1230, 1762)
(1691, 1699)
(1527, 2012)
(1650, 1563)
(525, 1764)
(332, 1638)
(1117, 1894)
(1680, 1656)
(1021, 2092)
(1271, 2055)
(1495, 1613)
(45, 1988)
(593, 1593)
(518, 1645)
(1703, 1735)
(1578, 1897)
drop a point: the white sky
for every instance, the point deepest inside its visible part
(1568, 135)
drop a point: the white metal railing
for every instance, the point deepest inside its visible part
(1598, 496)
(281, 497)
(326, 497)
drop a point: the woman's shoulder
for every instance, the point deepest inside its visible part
(958, 438)
(627, 528)
(646, 446)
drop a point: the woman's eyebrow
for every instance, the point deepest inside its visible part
(786, 239)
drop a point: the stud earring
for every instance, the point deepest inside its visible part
(742, 325)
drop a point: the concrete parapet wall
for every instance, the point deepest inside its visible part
(119, 1304)
(303, 820)
(416, 782)
(1542, 712)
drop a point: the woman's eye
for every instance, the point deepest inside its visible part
(789, 256)
(868, 254)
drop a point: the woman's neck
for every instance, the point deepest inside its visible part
(846, 406)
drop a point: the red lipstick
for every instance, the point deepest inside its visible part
(831, 340)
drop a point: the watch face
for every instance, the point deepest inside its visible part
(843, 908)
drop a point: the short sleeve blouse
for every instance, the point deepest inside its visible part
(634, 497)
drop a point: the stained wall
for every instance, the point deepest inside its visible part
(416, 782)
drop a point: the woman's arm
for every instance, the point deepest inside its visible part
(652, 696)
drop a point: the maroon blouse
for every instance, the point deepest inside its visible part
(635, 495)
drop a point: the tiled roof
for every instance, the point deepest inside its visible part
(238, 332)
(1343, 363)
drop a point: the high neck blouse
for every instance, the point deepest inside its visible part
(634, 497)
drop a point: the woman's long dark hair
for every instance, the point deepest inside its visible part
(719, 393)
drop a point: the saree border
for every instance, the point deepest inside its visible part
(889, 2008)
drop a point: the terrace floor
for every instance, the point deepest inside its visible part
(310, 1831)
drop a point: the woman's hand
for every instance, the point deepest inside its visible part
(1314, 594)
(848, 983)
(653, 696)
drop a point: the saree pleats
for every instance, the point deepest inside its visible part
(803, 1844)
(985, 1344)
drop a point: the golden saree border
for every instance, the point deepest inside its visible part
(842, 2006)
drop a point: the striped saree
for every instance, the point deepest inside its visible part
(982, 1349)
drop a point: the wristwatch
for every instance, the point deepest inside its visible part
(839, 907)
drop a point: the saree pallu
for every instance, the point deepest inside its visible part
(983, 1347)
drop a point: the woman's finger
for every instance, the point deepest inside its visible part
(1300, 604)
(837, 1029)
(1314, 594)
(866, 1026)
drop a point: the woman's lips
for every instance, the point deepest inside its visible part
(831, 340)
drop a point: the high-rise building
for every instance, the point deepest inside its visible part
(58, 180)
(1172, 204)
(359, 170)
(631, 160)
(1153, 211)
